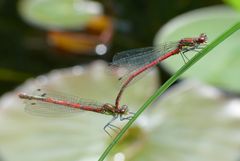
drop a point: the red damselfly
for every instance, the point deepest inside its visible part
(49, 103)
(138, 61)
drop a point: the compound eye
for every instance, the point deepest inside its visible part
(202, 38)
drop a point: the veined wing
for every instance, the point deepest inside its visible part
(40, 107)
(134, 59)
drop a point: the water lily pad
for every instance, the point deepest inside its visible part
(221, 66)
(59, 14)
(81, 137)
(191, 121)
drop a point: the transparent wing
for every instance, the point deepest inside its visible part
(141, 56)
(43, 108)
(49, 110)
(132, 60)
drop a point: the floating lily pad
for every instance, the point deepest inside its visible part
(59, 14)
(221, 66)
(81, 137)
(191, 121)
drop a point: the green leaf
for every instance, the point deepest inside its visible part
(60, 14)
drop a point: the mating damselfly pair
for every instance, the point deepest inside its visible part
(135, 61)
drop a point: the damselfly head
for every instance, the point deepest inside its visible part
(202, 38)
(124, 109)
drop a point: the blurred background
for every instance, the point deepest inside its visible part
(66, 45)
(39, 36)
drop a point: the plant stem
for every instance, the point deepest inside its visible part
(169, 82)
